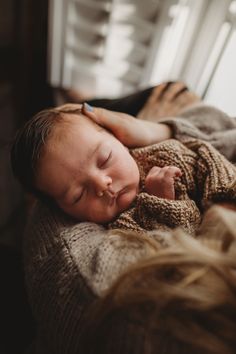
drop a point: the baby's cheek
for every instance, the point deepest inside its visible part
(125, 200)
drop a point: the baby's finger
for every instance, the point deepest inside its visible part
(177, 172)
(169, 191)
(172, 171)
(154, 171)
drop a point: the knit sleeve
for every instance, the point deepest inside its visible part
(151, 212)
(206, 123)
(214, 174)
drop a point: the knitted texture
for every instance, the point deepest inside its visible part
(67, 266)
(206, 178)
(206, 123)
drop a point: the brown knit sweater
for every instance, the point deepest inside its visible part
(206, 178)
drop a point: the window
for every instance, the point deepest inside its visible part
(113, 47)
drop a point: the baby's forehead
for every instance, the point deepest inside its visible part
(71, 119)
(69, 125)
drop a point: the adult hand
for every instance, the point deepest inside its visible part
(160, 181)
(130, 131)
(168, 99)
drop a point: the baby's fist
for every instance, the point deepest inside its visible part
(160, 181)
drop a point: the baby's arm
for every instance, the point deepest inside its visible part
(160, 181)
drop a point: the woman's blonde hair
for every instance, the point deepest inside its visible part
(182, 299)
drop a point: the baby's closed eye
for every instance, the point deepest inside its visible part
(77, 198)
(104, 159)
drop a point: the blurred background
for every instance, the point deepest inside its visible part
(52, 49)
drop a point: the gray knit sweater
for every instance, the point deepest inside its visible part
(206, 123)
(68, 265)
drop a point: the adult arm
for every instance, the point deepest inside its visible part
(130, 131)
(201, 121)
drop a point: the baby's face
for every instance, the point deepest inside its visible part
(87, 171)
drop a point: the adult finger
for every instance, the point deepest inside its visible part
(174, 90)
(158, 92)
(188, 98)
(126, 128)
(106, 118)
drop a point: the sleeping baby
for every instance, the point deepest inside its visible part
(63, 156)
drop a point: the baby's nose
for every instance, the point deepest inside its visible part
(103, 184)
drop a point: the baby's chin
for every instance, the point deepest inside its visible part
(98, 218)
(107, 218)
(111, 216)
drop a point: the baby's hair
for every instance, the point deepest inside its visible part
(29, 142)
(180, 300)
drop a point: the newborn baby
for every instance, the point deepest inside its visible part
(92, 176)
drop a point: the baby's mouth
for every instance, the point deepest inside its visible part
(113, 196)
(110, 196)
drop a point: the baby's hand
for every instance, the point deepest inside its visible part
(160, 181)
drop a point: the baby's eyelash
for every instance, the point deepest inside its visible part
(106, 160)
(77, 199)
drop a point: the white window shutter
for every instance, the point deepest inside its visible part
(102, 47)
(110, 48)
